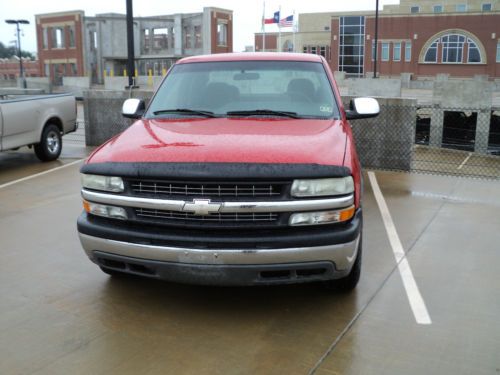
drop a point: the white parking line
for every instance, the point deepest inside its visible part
(465, 160)
(40, 174)
(415, 299)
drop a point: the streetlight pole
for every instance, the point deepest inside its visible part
(21, 71)
(130, 44)
(376, 42)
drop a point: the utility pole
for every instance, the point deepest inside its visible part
(21, 71)
(376, 42)
(130, 44)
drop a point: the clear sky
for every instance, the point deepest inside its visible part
(247, 14)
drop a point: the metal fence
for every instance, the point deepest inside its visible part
(450, 141)
(404, 137)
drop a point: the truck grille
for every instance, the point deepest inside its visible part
(207, 189)
(169, 216)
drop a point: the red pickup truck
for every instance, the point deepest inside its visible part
(242, 170)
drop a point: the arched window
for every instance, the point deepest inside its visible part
(474, 53)
(452, 47)
(432, 52)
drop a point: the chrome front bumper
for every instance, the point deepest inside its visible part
(341, 255)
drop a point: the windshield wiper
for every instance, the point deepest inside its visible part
(186, 111)
(263, 112)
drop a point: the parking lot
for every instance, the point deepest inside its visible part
(432, 309)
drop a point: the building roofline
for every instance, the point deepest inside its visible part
(219, 9)
(58, 14)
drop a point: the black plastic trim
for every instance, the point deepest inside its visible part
(321, 235)
(235, 275)
(216, 171)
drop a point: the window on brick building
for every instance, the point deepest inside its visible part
(453, 46)
(222, 34)
(45, 38)
(304, 49)
(71, 36)
(498, 52)
(437, 8)
(322, 51)
(461, 7)
(408, 51)
(385, 51)
(431, 53)
(396, 51)
(474, 55)
(352, 45)
(453, 50)
(414, 9)
(313, 50)
(57, 37)
(373, 50)
(486, 7)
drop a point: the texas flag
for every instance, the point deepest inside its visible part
(275, 19)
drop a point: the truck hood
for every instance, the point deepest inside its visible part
(228, 140)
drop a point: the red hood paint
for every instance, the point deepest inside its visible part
(236, 140)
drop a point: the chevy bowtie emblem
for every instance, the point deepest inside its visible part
(202, 207)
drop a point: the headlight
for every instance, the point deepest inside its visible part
(322, 186)
(106, 183)
(321, 217)
(111, 212)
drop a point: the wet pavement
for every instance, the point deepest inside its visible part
(60, 314)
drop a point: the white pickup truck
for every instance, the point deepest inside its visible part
(39, 121)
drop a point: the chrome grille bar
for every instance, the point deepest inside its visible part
(217, 217)
(225, 207)
(206, 190)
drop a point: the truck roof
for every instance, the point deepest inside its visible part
(252, 56)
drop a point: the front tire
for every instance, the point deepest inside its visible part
(50, 145)
(348, 283)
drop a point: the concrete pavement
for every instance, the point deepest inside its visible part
(60, 314)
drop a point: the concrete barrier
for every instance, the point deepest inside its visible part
(37, 83)
(381, 87)
(8, 83)
(18, 91)
(102, 112)
(76, 85)
(145, 83)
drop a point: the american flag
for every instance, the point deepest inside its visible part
(286, 22)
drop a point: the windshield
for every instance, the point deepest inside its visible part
(246, 88)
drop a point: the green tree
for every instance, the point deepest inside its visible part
(7, 52)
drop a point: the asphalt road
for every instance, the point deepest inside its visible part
(59, 314)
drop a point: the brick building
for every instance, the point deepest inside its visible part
(60, 44)
(456, 37)
(9, 68)
(72, 44)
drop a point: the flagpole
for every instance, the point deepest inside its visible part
(293, 25)
(264, 28)
(279, 31)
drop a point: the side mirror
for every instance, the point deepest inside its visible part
(362, 108)
(133, 108)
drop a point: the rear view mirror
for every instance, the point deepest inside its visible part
(362, 108)
(133, 108)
